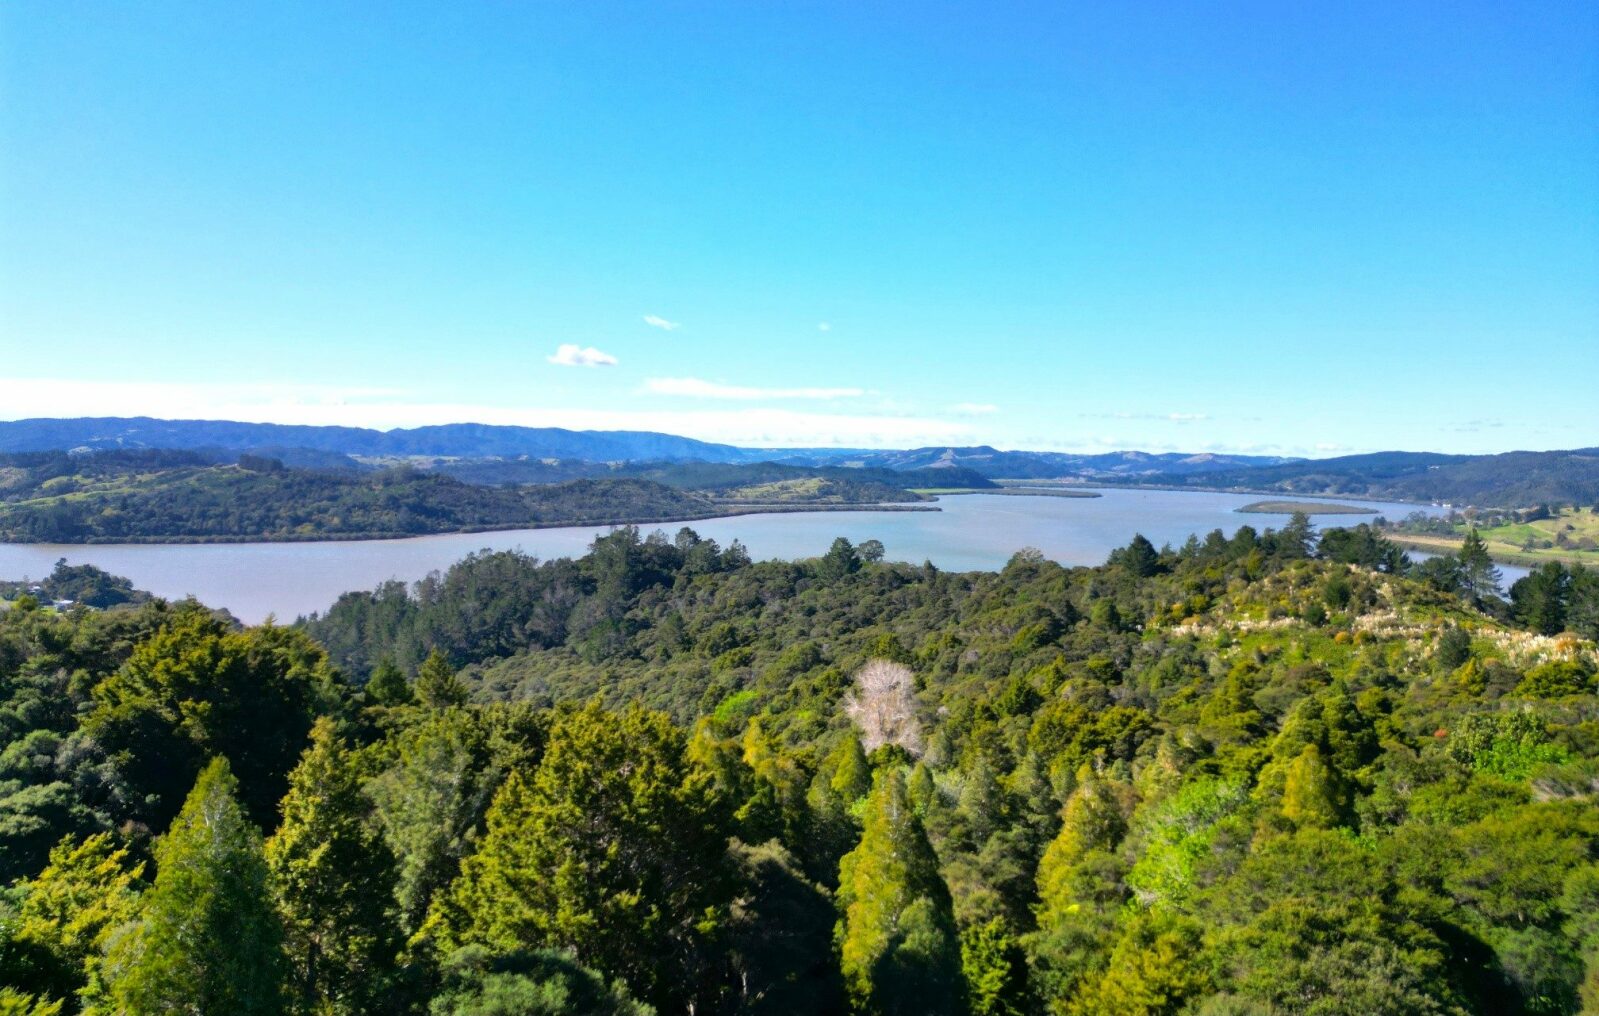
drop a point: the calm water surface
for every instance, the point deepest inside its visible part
(973, 531)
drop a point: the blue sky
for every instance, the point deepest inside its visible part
(1304, 229)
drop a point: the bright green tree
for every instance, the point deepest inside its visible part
(614, 850)
(897, 941)
(18, 1003)
(1310, 793)
(88, 890)
(333, 877)
(207, 940)
(1081, 888)
(995, 970)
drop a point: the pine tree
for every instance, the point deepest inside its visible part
(852, 773)
(1310, 798)
(897, 943)
(334, 879)
(437, 685)
(982, 803)
(207, 940)
(612, 850)
(1081, 888)
(1480, 576)
(430, 800)
(387, 685)
(995, 970)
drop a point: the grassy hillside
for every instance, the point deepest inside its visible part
(1567, 534)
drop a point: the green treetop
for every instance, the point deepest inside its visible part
(334, 880)
(437, 685)
(897, 943)
(87, 891)
(207, 940)
(1480, 576)
(613, 850)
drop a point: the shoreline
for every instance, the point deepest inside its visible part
(736, 511)
(1253, 491)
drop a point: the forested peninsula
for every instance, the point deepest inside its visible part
(163, 496)
(1256, 774)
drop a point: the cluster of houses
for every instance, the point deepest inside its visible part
(37, 592)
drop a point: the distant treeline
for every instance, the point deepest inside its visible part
(1511, 480)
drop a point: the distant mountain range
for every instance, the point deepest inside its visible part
(493, 454)
(465, 440)
(483, 441)
(993, 463)
(1507, 480)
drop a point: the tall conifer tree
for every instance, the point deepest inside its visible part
(207, 940)
(897, 940)
(333, 877)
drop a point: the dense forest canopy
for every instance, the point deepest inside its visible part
(1265, 773)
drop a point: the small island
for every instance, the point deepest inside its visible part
(1308, 507)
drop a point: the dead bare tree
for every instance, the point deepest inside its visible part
(883, 706)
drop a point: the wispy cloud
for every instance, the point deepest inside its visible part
(569, 354)
(1168, 417)
(693, 387)
(823, 326)
(656, 321)
(974, 408)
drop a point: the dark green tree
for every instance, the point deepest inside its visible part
(1541, 600)
(840, 561)
(333, 878)
(613, 849)
(437, 686)
(1478, 575)
(387, 685)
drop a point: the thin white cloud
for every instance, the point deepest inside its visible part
(824, 327)
(693, 387)
(974, 408)
(569, 354)
(1169, 417)
(656, 321)
(751, 426)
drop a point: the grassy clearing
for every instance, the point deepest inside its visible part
(1572, 537)
(1308, 507)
